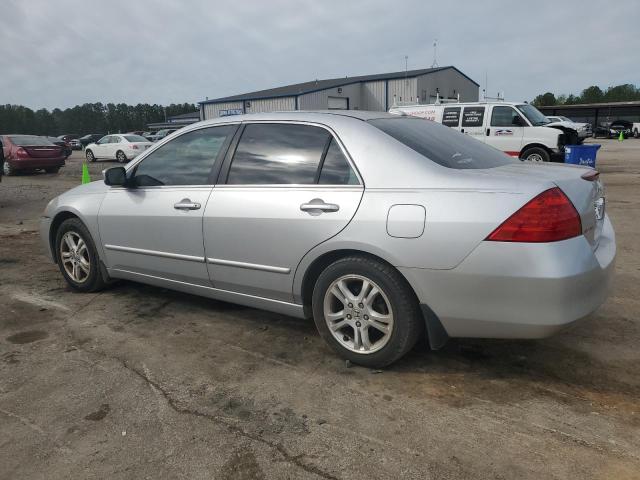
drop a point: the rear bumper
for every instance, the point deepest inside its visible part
(515, 290)
(29, 163)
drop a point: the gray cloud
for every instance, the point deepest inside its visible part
(58, 54)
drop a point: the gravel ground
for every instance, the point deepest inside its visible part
(141, 382)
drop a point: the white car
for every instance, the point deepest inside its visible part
(583, 129)
(117, 147)
(517, 128)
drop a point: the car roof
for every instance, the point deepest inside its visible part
(314, 116)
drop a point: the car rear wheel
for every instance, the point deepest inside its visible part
(77, 257)
(90, 156)
(366, 312)
(121, 157)
(52, 170)
(535, 154)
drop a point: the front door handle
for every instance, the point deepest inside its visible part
(186, 204)
(317, 206)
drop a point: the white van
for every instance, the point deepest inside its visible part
(515, 128)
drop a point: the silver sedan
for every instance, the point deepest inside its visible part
(382, 228)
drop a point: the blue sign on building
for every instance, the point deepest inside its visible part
(231, 111)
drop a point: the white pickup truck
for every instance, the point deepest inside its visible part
(518, 129)
(583, 129)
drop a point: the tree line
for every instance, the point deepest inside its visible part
(594, 94)
(87, 118)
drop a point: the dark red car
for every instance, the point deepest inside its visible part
(30, 152)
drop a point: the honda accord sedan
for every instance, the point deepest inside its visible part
(382, 228)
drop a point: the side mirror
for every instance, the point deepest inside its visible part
(115, 177)
(517, 122)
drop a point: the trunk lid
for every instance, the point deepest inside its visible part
(45, 151)
(587, 196)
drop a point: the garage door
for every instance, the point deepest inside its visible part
(338, 103)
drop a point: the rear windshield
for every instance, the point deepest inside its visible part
(29, 140)
(442, 145)
(135, 138)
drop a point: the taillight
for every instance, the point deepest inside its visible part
(549, 217)
(135, 147)
(22, 153)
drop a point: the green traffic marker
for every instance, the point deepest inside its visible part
(85, 174)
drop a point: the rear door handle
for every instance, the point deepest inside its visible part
(317, 206)
(186, 204)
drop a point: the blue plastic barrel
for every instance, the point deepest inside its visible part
(581, 154)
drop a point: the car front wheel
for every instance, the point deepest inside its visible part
(90, 156)
(7, 169)
(366, 311)
(77, 256)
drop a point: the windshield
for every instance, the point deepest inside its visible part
(442, 145)
(29, 141)
(135, 138)
(533, 115)
(565, 119)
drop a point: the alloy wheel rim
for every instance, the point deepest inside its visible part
(535, 157)
(121, 157)
(358, 314)
(74, 256)
(90, 156)
(5, 168)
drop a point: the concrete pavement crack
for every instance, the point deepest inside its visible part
(294, 459)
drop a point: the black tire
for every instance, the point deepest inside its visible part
(636, 134)
(93, 281)
(7, 169)
(121, 157)
(52, 170)
(534, 153)
(90, 156)
(408, 324)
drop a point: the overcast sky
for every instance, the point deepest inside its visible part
(67, 52)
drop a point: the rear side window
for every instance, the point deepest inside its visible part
(275, 154)
(472, 116)
(185, 160)
(442, 145)
(451, 116)
(336, 169)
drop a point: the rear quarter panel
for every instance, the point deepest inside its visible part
(456, 222)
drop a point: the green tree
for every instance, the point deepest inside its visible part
(592, 94)
(544, 100)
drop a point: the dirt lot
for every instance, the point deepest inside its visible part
(141, 382)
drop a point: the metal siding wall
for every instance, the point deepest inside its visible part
(405, 90)
(320, 100)
(447, 81)
(211, 110)
(373, 96)
(272, 105)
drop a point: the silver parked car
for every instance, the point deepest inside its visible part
(382, 228)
